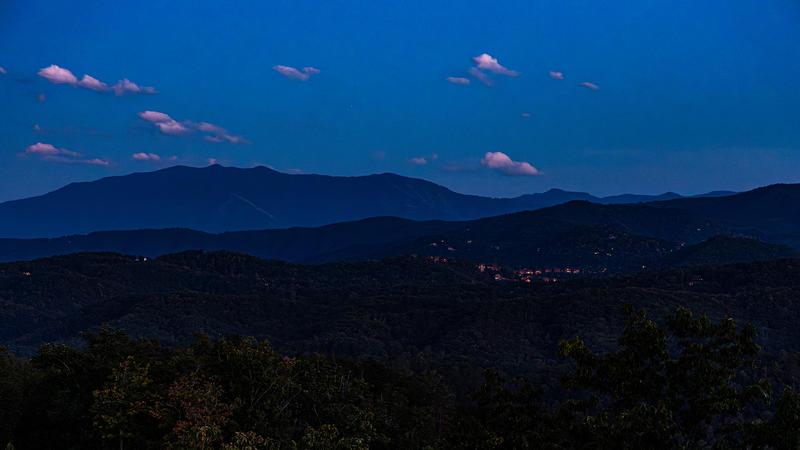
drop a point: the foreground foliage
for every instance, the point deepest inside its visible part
(692, 383)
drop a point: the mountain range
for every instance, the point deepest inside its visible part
(181, 208)
(217, 199)
(597, 238)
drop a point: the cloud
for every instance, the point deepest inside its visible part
(480, 76)
(142, 156)
(556, 75)
(458, 80)
(41, 98)
(169, 126)
(96, 162)
(51, 153)
(212, 161)
(526, 115)
(291, 72)
(126, 86)
(418, 160)
(589, 85)
(58, 75)
(485, 61)
(3, 70)
(210, 128)
(172, 128)
(501, 162)
(90, 82)
(164, 123)
(38, 128)
(154, 116)
(42, 149)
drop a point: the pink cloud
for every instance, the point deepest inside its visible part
(212, 161)
(172, 128)
(418, 160)
(58, 75)
(3, 70)
(589, 85)
(164, 123)
(89, 82)
(126, 86)
(155, 116)
(96, 162)
(233, 139)
(485, 61)
(142, 156)
(556, 75)
(291, 72)
(210, 128)
(51, 153)
(458, 80)
(42, 149)
(501, 162)
(480, 76)
(168, 125)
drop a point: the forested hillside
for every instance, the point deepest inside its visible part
(404, 308)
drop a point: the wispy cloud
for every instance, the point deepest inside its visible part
(42, 149)
(142, 156)
(556, 75)
(126, 86)
(172, 128)
(169, 126)
(3, 70)
(89, 82)
(480, 76)
(489, 63)
(423, 159)
(458, 80)
(526, 115)
(51, 153)
(291, 72)
(210, 128)
(58, 75)
(164, 123)
(590, 85)
(501, 162)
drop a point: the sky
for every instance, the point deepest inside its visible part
(497, 98)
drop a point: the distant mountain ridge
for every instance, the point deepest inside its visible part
(594, 237)
(217, 199)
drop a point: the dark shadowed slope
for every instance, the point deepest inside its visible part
(448, 312)
(611, 237)
(771, 213)
(726, 250)
(217, 199)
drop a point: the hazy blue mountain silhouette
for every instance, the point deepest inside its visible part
(217, 199)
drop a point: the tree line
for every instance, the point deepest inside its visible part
(684, 382)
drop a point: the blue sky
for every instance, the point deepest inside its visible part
(693, 96)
